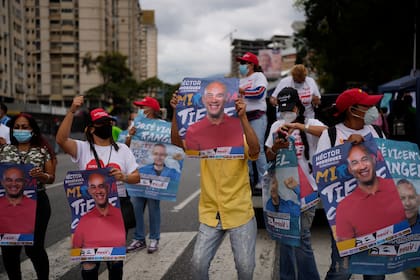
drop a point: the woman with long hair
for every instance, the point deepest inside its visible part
(28, 146)
(99, 151)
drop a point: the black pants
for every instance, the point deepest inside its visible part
(36, 253)
(115, 271)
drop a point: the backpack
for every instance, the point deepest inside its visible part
(332, 133)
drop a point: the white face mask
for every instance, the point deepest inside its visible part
(371, 115)
(288, 117)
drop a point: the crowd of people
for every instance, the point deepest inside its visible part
(225, 204)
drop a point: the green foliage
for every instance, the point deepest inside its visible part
(357, 42)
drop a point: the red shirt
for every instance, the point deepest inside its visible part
(96, 230)
(19, 218)
(361, 213)
(203, 135)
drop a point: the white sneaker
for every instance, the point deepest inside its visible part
(153, 246)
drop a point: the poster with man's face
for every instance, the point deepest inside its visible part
(403, 161)
(206, 118)
(361, 201)
(97, 224)
(17, 205)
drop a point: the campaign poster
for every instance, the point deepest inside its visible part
(271, 62)
(360, 198)
(160, 163)
(281, 198)
(308, 190)
(97, 226)
(207, 120)
(403, 161)
(17, 205)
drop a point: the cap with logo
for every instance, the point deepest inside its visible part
(99, 115)
(355, 96)
(248, 57)
(287, 99)
(149, 102)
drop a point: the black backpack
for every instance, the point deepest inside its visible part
(332, 133)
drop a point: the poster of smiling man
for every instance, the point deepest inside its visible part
(207, 120)
(160, 163)
(360, 198)
(403, 161)
(97, 225)
(17, 205)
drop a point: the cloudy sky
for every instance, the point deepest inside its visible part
(193, 35)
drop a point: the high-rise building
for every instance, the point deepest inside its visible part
(48, 47)
(149, 44)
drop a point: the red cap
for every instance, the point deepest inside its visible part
(355, 96)
(149, 102)
(99, 114)
(248, 57)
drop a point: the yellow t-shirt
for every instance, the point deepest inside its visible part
(225, 189)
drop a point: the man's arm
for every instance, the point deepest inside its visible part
(175, 138)
(250, 136)
(67, 144)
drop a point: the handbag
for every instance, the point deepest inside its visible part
(127, 209)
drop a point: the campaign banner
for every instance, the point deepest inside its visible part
(308, 192)
(207, 120)
(97, 225)
(281, 198)
(270, 61)
(403, 161)
(17, 205)
(160, 163)
(360, 198)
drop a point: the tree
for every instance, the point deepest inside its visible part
(357, 42)
(119, 87)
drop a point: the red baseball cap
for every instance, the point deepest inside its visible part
(99, 114)
(355, 96)
(248, 57)
(149, 102)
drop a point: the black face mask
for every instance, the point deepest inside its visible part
(103, 132)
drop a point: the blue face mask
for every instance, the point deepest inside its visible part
(22, 135)
(243, 69)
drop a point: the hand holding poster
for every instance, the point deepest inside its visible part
(17, 205)
(359, 196)
(97, 226)
(206, 118)
(403, 161)
(281, 198)
(160, 163)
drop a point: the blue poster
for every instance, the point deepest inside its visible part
(403, 161)
(97, 225)
(17, 205)
(281, 198)
(360, 198)
(206, 118)
(160, 163)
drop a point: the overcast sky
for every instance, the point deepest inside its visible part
(193, 35)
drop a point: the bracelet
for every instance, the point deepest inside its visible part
(48, 176)
(306, 127)
(271, 151)
(128, 136)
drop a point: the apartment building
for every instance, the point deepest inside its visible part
(48, 47)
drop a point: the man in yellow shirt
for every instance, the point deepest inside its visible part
(225, 202)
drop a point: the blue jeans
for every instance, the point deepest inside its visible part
(299, 262)
(154, 217)
(259, 126)
(339, 266)
(242, 240)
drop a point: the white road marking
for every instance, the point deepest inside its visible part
(186, 201)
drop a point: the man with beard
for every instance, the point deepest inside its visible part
(102, 226)
(217, 129)
(17, 210)
(374, 204)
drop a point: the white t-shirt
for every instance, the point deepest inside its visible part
(5, 133)
(123, 159)
(256, 79)
(343, 133)
(306, 91)
(300, 147)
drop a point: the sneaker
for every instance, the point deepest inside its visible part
(136, 245)
(153, 246)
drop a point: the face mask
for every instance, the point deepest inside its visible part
(371, 115)
(140, 112)
(288, 117)
(243, 69)
(103, 132)
(22, 135)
